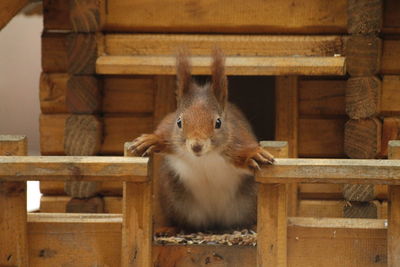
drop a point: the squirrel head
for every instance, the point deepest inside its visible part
(201, 118)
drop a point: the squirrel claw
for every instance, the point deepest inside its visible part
(144, 145)
(260, 157)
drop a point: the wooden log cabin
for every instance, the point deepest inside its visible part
(322, 75)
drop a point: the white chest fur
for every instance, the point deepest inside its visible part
(214, 183)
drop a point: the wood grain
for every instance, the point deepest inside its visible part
(362, 138)
(85, 15)
(235, 65)
(364, 16)
(81, 53)
(83, 94)
(390, 57)
(390, 131)
(390, 95)
(363, 55)
(10, 8)
(13, 229)
(352, 171)
(358, 209)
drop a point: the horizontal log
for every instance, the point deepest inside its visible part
(390, 57)
(391, 18)
(319, 137)
(119, 94)
(343, 223)
(56, 243)
(76, 168)
(235, 65)
(232, 45)
(390, 95)
(94, 218)
(117, 130)
(340, 171)
(56, 15)
(224, 16)
(321, 97)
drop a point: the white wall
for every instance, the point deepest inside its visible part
(20, 67)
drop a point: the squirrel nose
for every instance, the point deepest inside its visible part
(197, 148)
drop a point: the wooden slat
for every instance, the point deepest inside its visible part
(10, 8)
(137, 226)
(235, 65)
(343, 223)
(239, 45)
(17, 168)
(393, 234)
(271, 225)
(331, 171)
(321, 137)
(285, 16)
(13, 230)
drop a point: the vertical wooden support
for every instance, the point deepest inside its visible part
(13, 220)
(286, 107)
(137, 234)
(272, 212)
(393, 233)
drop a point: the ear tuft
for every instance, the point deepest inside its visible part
(219, 79)
(183, 72)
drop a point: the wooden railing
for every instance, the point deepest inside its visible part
(41, 239)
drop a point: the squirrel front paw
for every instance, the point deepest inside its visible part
(145, 144)
(259, 157)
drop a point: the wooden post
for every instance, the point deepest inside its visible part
(13, 220)
(137, 234)
(272, 210)
(393, 233)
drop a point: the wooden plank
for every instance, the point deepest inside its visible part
(320, 191)
(322, 97)
(232, 45)
(13, 229)
(54, 52)
(393, 234)
(343, 223)
(391, 20)
(50, 188)
(390, 57)
(56, 15)
(210, 16)
(85, 16)
(390, 95)
(59, 94)
(390, 131)
(117, 130)
(165, 97)
(363, 96)
(137, 225)
(362, 138)
(79, 168)
(286, 110)
(10, 8)
(341, 171)
(321, 137)
(74, 240)
(271, 225)
(82, 53)
(128, 94)
(235, 65)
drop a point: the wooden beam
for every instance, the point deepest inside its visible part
(13, 229)
(287, 113)
(363, 55)
(137, 225)
(271, 225)
(10, 8)
(58, 168)
(231, 45)
(390, 57)
(364, 16)
(390, 95)
(393, 234)
(342, 171)
(85, 16)
(343, 223)
(235, 65)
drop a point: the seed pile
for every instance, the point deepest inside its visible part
(244, 237)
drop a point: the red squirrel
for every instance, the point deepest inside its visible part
(207, 180)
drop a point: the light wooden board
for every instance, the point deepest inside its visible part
(231, 45)
(80, 168)
(118, 129)
(321, 137)
(227, 16)
(235, 65)
(351, 171)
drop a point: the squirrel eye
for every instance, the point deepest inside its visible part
(179, 123)
(218, 123)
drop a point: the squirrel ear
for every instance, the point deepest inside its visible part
(183, 72)
(219, 79)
